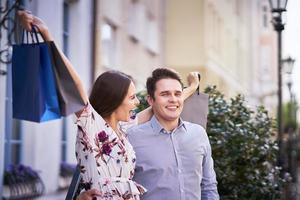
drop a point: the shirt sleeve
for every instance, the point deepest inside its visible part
(209, 189)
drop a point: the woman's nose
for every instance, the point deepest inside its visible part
(137, 101)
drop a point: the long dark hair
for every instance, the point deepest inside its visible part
(109, 91)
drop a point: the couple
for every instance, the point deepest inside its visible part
(169, 157)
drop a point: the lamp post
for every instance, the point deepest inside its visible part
(277, 8)
(288, 65)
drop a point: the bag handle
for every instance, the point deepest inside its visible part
(198, 89)
(33, 34)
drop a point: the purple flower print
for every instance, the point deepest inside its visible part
(102, 136)
(106, 148)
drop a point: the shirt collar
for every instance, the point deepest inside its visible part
(157, 127)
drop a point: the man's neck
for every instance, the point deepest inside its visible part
(168, 125)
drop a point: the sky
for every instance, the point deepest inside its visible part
(291, 46)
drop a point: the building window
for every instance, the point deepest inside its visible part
(13, 143)
(108, 44)
(136, 21)
(152, 35)
(13, 137)
(66, 30)
(66, 34)
(265, 17)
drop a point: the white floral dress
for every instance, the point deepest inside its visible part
(106, 161)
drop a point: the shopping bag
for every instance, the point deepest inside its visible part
(70, 100)
(195, 108)
(33, 83)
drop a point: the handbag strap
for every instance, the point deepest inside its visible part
(198, 89)
(24, 32)
(33, 34)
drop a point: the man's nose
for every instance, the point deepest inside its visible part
(172, 98)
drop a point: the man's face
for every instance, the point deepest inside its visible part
(168, 101)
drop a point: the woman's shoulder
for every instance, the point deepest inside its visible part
(89, 116)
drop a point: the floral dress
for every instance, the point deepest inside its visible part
(106, 161)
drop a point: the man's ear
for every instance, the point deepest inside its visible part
(150, 100)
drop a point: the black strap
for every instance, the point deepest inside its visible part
(33, 34)
(24, 32)
(72, 191)
(198, 89)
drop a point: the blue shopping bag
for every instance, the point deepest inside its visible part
(34, 87)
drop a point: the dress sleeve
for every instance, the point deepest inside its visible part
(85, 154)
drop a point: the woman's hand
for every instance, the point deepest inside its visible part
(193, 82)
(27, 21)
(89, 195)
(193, 79)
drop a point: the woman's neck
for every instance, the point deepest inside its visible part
(113, 122)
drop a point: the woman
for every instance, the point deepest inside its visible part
(105, 156)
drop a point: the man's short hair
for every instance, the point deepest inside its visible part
(158, 74)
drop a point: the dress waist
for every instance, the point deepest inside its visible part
(135, 188)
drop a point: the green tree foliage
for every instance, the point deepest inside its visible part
(289, 117)
(243, 148)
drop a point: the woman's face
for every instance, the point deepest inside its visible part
(130, 102)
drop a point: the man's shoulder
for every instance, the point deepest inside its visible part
(194, 126)
(139, 128)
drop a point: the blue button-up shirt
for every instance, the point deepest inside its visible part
(175, 165)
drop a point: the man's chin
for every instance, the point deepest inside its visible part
(173, 118)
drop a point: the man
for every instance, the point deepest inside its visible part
(173, 156)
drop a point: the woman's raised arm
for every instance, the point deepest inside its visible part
(27, 21)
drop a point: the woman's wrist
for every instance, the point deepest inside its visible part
(46, 34)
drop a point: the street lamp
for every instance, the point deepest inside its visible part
(288, 64)
(277, 8)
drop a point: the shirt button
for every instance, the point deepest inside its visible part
(181, 191)
(179, 171)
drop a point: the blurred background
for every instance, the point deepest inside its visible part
(232, 43)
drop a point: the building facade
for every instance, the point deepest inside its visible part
(96, 36)
(230, 42)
